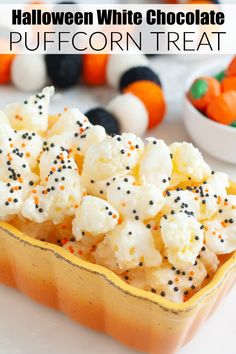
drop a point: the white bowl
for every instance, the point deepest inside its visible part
(217, 139)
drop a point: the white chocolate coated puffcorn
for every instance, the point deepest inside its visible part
(183, 238)
(188, 163)
(220, 231)
(113, 156)
(95, 216)
(33, 113)
(131, 243)
(155, 164)
(156, 215)
(76, 131)
(137, 202)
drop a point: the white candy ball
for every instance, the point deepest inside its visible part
(118, 64)
(29, 72)
(130, 112)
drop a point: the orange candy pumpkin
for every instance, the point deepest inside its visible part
(202, 91)
(152, 97)
(222, 109)
(228, 84)
(231, 70)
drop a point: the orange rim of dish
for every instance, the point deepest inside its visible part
(113, 279)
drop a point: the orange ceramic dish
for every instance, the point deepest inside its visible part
(97, 298)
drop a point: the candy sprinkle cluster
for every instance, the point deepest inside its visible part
(154, 214)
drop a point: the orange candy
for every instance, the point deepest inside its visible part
(94, 68)
(231, 70)
(223, 108)
(202, 91)
(5, 67)
(152, 97)
(229, 84)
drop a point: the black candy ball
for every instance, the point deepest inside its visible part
(64, 69)
(100, 116)
(138, 73)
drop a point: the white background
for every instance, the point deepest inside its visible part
(29, 328)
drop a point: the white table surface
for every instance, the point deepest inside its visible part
(29, 328)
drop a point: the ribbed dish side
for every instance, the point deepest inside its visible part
(55, 279)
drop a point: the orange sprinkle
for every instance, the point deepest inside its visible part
(9, 199)
(76, 206)
(9, 157)
(192, 272)
(28, 154)
(71, 249)
(114, 216)
(23, 145)
(64, 241)
(62, 188)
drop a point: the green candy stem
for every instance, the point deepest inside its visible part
(233, 124)
(198, 89)
(220, 76)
